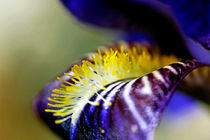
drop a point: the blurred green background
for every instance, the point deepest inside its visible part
(39, 39)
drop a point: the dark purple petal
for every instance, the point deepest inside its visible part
(194, 17)
(156, 19)
(151, 17)
(137, 37)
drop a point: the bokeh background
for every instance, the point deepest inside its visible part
(38, 40)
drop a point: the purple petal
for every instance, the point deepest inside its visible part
(156, 19)
(151, 17)
(133, 101)
(194, 17)
(137, 105)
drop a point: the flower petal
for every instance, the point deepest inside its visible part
(151, 16)
(194, 17)
(137, 105)
(154, 18)
(121, 104)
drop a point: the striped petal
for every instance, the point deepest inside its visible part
(137, 105)
(99, 98)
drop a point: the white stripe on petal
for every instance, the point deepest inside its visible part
(146, 89)
(171, 69)
(142, 124)
(104, 92)
(112, 94)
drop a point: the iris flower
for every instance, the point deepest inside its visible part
(120, 91)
